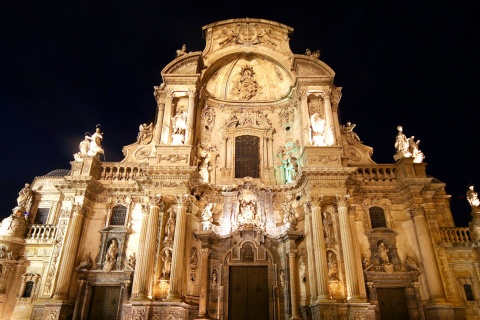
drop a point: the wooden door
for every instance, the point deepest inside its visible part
(248, 293)
(392, 303)
(104, 303)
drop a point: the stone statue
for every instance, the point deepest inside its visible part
(182, 51)
(410, 263)
(472, 196)
(207, 213)
(383, 253)
(352, 137)
(282, 278)
(170, 225)
(289, 164)
(111, 256)
(25, 197)
(145, 133)
(416, 154)
(132, 261)
(179, 127)
(95, 142)
(204, 165)
(328, 227)
(167, 264)
(401, 143)
(86, 263)
(317, 123)
(332, 267)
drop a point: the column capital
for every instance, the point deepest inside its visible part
(417, 210)
(292, 253)
(342, 200)
(155, 201)
(181, 199)
(205, 252)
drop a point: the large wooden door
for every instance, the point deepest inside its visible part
(104, 303)
(392, 303)
(248, 293)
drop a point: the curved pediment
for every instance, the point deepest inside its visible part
(185, 64)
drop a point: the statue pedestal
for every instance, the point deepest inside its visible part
(177, 139)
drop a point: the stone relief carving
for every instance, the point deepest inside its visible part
(247, 34)
(246, 87)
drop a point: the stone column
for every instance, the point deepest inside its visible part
(140, 265)
(319, 247)
(146, 260)
(69, 253)
(305, 122)
(348, 249)
(178, 252)
(167, 118)
(78, 301)
(329, 133)
(293, 285)
(310, 252)
(159, 125)
(190, 117)
(429, 262)
(202, 305)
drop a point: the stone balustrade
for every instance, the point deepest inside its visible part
(458, 235)
(41, 232)
(117, 171)
(376, 173)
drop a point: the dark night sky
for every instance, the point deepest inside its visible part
(67, 67)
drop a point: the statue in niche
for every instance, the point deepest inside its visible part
(247, 86)
(282, 278)
(248, 205)
(167, 264)
(214, 277)
(472, 196)
(25, 197)
(179, 126)
(332, 266)
(145, 133)
(317, 123)
(193, 258)
(352, 137)
(111, 256)
(170, 225)
(328, 227)
(382, 252)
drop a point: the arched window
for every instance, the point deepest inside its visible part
(247, 157)
(468, 292)
(377, 217)
(28, 289)
(119, 213)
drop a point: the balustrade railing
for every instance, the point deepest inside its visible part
(376, 173)
(457, 235)
(41, 232)
(116, 171)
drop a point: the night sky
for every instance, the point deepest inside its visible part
(67, 67)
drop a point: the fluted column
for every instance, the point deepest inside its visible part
(147, 258)
(310, 253)
(329, 133)
(69, 253)
(78, 301)
(140, 266)
(159, 125)
(319, 247)
(305, 118)
(190, 117)
(178, 252)
(167, 119)
(431, 272)
(348, 249)
(292, 257)
(202, 305)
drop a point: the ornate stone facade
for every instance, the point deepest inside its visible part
(247, 198)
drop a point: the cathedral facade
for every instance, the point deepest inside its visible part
(245, 199)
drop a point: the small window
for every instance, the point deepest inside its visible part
(468, 292)
(247, 157)
(41, 216)
(377, 217)
(119, 213)
(28, 289)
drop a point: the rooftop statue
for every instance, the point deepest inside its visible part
(472, 196)
(407, 147)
